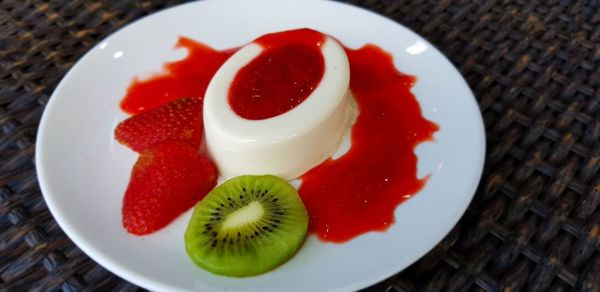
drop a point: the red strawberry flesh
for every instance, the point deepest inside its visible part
(167, 180)
(180, 120)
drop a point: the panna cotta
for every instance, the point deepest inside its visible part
(291, 130)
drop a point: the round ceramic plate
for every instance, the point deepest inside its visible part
(83, 171)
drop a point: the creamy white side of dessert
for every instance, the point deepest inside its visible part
(286, 145)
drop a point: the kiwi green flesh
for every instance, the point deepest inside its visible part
(254, 242)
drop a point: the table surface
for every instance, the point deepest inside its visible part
(534, 68)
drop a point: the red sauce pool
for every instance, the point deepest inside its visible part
(359, 191)
(356, 193)
(281, 77)
(188, 77)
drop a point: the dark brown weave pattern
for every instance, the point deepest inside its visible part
(534, 67)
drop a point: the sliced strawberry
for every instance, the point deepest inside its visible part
(167, 180)
(180, 119)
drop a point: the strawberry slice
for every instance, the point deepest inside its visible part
(167, 180)
(180, 120)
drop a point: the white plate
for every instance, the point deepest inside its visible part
(83, 172)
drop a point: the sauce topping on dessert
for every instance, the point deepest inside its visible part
(345, 197)
(281, 77)
(265, 79)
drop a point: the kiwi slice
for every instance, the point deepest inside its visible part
(246, 226)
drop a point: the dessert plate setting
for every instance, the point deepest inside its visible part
(83, 179)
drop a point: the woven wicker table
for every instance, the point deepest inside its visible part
(534, 67)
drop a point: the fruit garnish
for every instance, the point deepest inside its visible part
(246, 226)
(180, 120)
(167, 179)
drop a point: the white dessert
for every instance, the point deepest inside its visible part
(286, 145)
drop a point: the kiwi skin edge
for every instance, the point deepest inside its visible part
(262, 236)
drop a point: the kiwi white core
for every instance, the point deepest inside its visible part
(246, 215)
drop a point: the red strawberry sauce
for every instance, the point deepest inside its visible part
(185, 78)
(281, 77)
(359, 191)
